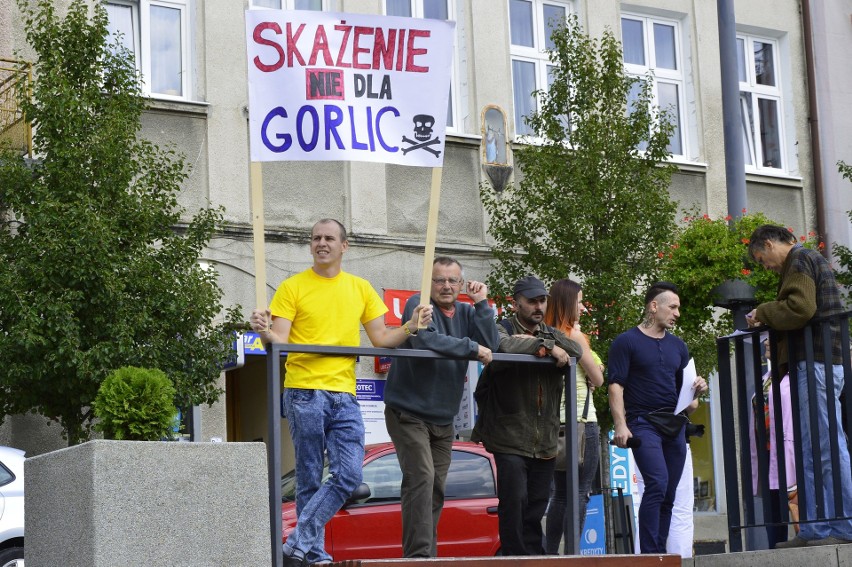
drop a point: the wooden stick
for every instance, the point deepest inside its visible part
(431, 237)
(257, 223)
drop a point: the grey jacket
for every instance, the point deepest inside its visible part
(431, 389)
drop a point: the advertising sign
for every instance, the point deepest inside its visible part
(593, 536)
(371, 396)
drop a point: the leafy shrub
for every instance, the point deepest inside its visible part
(136, 404)
(705, 253)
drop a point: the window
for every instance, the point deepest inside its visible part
(384, 478)
(470, 476)
(530, 22)
(653, 45)
(436, 10)
(6, 476)
(157, 33)
(315, 5)
(760, 103)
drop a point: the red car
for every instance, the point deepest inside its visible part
(371, 527)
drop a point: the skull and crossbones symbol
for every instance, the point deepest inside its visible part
(423, 124)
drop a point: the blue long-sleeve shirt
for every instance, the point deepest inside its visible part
(650, 370)
(431, 389)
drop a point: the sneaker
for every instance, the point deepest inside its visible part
(791, 543)
(830, 540)
(293, 561)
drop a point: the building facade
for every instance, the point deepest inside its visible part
(192, 54)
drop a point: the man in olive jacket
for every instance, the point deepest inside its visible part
(808, 289)
(519, 418)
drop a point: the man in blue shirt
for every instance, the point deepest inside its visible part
(645, 374)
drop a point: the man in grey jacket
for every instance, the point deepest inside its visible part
(422, 397)
(519, 417)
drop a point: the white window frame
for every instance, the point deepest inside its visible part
(285, 5)
(456, 118)
(659, 74)
(141, 18)
(535, 55)
(751, 132)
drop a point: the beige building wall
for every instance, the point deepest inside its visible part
(385, 206)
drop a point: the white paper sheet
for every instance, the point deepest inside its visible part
(687, 389)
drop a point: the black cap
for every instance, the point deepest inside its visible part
(529, 287)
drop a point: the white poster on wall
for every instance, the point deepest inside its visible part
(370, 393)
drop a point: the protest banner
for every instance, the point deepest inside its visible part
(350, 87)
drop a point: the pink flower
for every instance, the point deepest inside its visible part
(746, 272)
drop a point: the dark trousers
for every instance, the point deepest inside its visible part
(523, 488)
(660, 460)
(556, 518)
(425, 452)
(775, 534)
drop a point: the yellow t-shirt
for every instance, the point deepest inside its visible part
(325, 311)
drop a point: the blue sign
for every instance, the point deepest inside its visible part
(367, 390)
(593, 536)
(619, 468)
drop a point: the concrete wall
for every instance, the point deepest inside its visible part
(108, 503)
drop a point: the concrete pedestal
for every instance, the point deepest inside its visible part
(107, 503)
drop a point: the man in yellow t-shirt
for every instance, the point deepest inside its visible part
(325, 305)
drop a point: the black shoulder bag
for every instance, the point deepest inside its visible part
(666, 422)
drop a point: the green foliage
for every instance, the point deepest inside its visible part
(135, 404)
(705, 253)
(98, 266)
(589, 205)
(841, 252)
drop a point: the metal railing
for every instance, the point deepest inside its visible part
(741, 390)
(273, 445)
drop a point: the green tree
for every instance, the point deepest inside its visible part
(843, 253)
(592, 202)
(706, 252)
(97, 268)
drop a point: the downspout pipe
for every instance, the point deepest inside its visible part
(731, 117)
(813, 121)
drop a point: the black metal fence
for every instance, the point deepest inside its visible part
(755, 509)
(273, 445)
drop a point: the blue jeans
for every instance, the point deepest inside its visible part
(320, 422)
(660, 460)
(840, 528)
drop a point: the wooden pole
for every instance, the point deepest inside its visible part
(431, 237)
(257, 224)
